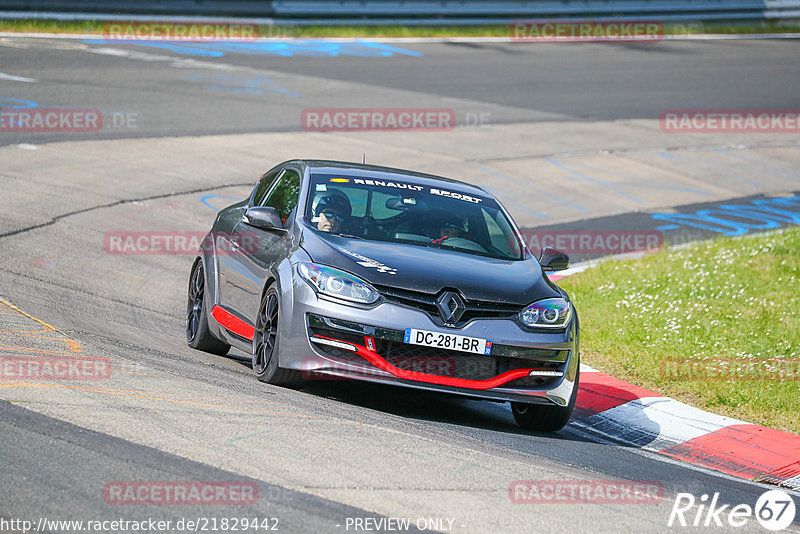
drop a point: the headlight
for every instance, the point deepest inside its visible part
(336, 283)
(547, 313)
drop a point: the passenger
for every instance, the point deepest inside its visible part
(451, 228)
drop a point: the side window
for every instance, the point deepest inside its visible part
(263, 185)
(501, 234)
(285, 194)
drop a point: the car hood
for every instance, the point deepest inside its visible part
(429, 270)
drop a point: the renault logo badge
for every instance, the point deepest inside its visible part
(451, 307)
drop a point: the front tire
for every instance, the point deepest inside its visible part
(198, 336)
(266, 343)
(545, 418)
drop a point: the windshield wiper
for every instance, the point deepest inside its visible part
(351, 236)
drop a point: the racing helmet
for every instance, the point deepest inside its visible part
(456, 222)
(333, 199)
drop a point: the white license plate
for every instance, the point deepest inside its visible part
(475, 345)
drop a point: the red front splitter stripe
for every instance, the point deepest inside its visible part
(376, 360)
(233, 323)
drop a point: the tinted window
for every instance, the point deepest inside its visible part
(285, 194)
(263, 186)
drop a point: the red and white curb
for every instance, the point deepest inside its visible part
(618, 411)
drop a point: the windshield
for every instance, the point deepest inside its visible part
(404, 212)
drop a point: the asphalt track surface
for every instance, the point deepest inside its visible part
(205, 127)
(237, 86)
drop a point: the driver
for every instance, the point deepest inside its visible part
(330, 212)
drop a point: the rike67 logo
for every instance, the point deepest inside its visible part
(774, 510)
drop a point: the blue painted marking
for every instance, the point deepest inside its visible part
(18, 103)
(666, 227)
(310, 49)
(307, 48)
(385, 50)
(769, 205)
(178, 47)
(763, 214)
(759, 212)
(205, 198)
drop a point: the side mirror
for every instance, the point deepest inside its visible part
(263, 217)
(404, 204)
(553, 259)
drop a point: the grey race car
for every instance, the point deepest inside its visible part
(343, 270)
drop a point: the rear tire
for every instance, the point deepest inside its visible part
(545, 418)
(266, 343)
(198, 336)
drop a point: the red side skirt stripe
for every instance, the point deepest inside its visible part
(233, 323)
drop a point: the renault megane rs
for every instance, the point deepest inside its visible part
(343, 270)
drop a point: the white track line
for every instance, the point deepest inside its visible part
(12, 78)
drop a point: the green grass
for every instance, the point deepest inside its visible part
(705, 325)
(496, 30)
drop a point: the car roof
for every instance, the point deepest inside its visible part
(388, 173)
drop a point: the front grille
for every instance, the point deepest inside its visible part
(438, 362)
(475, 309)
(456, 364)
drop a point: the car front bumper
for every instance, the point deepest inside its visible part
(329, 339)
